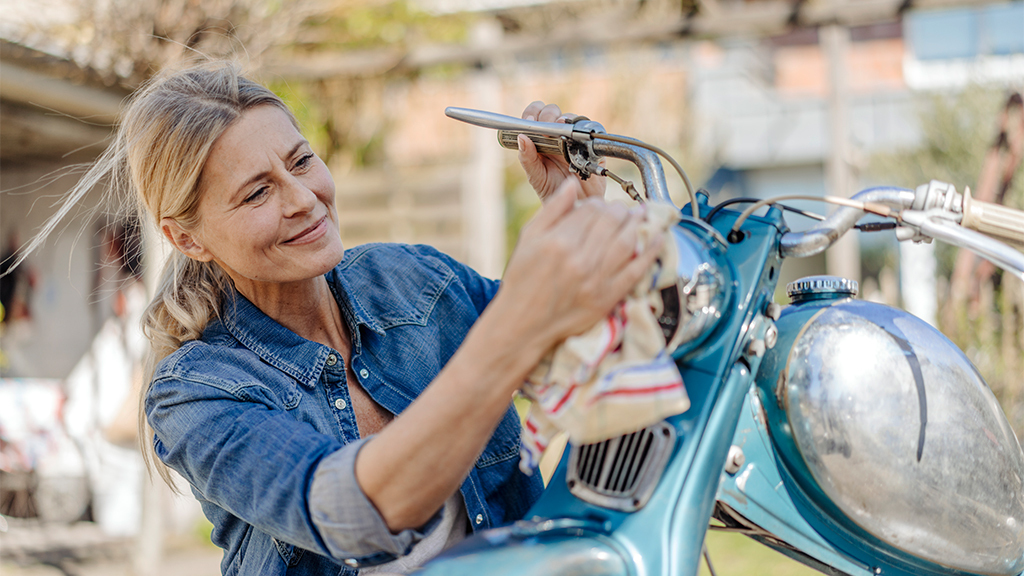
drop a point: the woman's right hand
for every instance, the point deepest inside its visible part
(573, 263)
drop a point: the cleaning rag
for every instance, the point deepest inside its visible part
(615, 378)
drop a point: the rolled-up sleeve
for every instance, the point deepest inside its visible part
(349, 524)
(280, 475)
(251, 460)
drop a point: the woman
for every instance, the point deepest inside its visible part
(338, 410)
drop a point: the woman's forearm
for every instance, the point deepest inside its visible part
(412, 466)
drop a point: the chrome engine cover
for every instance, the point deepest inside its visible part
(901, 435)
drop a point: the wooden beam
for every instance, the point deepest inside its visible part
(714, 20)
(29, 134)
(58, 95)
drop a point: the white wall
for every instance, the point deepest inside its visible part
(65, 311)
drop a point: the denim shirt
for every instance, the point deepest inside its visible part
(248, 413)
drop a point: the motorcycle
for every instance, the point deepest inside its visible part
(850, 436)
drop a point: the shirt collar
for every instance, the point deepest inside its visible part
(276, 345)
(285, 350)
(347, 296)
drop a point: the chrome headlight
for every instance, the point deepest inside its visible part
(694, 304)
(900, 432)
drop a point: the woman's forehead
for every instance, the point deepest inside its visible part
(250, 145)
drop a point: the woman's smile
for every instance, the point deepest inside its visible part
(311, 234)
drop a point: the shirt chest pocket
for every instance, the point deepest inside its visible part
(271, 388)
(408, 298)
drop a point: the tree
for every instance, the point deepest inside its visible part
(126, 41)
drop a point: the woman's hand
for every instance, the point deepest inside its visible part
(546, 173)
(574, 262)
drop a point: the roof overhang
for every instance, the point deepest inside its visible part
(47, 112)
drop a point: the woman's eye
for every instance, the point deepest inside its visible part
(304, 161)
(257, 195)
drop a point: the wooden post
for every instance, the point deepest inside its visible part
(843, 258)
(483, 197)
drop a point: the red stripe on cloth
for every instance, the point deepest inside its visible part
(531, 426)
(564, 399)
(647, 390)
(615, 326)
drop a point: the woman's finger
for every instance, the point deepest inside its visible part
(530, 159)
(559, 203)
(626, 279)
(609, 219)
(549, 113)
(610, 241)
(532, 111)
(622, 242)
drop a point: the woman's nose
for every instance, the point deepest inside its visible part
(299, 199)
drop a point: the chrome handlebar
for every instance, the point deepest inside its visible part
(577, 142)
(502, 122)
(933, 210)
(938, 224)
(817, 239)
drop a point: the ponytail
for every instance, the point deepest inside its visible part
(187, 298)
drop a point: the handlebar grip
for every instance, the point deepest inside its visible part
(995, 220)
(551, 145)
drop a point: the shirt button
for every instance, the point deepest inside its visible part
(479, 518)
(332, 360)
(364, 373)
(340, 404)
(352, 562)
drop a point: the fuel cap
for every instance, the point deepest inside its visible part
(821, 287)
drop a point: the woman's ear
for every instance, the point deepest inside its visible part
(184, 241)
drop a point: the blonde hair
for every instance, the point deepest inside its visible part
(162, 143)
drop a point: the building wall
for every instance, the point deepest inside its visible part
(65, 299)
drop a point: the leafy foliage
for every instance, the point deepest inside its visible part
(352, 25)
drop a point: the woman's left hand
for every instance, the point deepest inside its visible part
(546, 173)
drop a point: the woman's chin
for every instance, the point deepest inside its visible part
(330, 258)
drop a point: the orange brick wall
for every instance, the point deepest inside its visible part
(874, 65)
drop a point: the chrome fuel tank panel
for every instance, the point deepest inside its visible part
(900, 434)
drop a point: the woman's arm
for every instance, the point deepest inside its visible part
(572, 264)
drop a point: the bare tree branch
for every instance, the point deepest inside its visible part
(128, 40)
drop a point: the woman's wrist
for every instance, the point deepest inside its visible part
(507, 338)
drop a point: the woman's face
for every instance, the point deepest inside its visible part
(266, 212)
